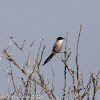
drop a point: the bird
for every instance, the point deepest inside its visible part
(56, 49)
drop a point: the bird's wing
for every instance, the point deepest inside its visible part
(55, 45)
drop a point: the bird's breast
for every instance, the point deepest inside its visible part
(58, 46)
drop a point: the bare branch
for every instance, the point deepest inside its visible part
(77, 65)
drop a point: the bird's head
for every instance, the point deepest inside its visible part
(60, 38)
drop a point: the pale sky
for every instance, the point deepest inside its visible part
(48, 19)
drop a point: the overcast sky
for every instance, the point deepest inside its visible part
(48, 19)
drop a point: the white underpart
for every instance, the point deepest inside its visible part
(60, 42)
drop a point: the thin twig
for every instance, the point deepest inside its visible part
(65, 68)
(77, 53)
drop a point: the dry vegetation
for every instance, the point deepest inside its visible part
(76, 91)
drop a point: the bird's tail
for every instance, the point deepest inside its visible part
(48, 59)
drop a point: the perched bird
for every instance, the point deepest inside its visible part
(56, 49)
